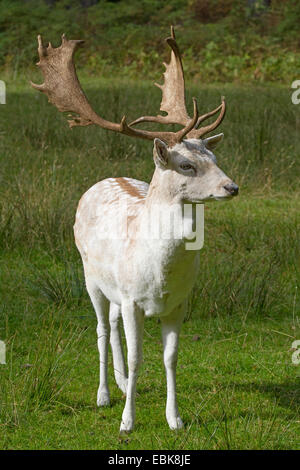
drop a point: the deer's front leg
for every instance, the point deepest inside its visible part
(171, 326)
(133, 319)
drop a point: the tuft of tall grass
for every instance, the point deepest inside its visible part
(62, 286)
(38, 378)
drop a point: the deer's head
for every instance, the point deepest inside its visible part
(184, 160)
(189, 172)
(188, 166)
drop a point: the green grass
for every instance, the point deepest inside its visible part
(237, 385)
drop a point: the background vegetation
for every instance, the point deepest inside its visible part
(237, 385)
(222, 40)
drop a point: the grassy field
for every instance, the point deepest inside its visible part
(237, 385)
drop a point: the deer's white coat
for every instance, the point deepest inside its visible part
(137, 276)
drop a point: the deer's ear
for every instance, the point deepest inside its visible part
(160, 153)
(211, 142)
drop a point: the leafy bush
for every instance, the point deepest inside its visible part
(231, 39)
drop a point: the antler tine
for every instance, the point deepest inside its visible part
(63, 89)
(197, 133)
(61, 84)
(191, 123)
(171, 138)
(173, 93)
(173, 98)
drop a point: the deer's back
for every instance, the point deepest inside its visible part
(98, 229)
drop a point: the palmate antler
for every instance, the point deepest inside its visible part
(173, 98)
(64, 91)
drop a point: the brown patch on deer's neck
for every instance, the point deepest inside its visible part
(129, 188)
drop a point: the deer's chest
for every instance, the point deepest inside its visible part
(158, 285)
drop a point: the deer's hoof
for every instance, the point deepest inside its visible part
(126, 426)
(175, 423)
(124, 432)
(103, 399)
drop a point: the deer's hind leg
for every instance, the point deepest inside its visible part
(117, 348)
(101, 306)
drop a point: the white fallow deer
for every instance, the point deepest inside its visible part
(137, 276)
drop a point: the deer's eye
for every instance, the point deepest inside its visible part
(186, 166)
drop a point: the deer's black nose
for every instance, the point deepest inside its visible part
(232, 188)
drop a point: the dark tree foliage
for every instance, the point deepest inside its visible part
(259, 38)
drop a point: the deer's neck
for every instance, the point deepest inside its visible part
(162, 189)
(166, 221)
(163, 265)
